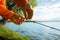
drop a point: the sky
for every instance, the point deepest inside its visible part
(47, 10)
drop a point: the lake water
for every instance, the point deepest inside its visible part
(37, 31)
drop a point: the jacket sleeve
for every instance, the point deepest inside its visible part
(3, 2)
(5, 13)
(21, 2)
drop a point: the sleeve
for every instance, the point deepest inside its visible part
(5, 13)
(21, 2)
(3, 2)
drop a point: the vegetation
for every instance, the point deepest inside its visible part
(33, 3)
(6, 34)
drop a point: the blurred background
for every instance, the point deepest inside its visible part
(47, 11)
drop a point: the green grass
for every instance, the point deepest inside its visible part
(11, 35)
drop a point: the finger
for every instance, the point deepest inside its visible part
(21, 20)
(18, 19)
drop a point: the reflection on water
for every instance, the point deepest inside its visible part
(36, 31)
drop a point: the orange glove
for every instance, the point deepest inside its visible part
(7, 14)
(26, 8)
(28, 11)
(18, 19)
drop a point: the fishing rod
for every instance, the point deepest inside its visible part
(42, 21)
(45, 24)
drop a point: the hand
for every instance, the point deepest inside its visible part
(18, 19)
(10, 15)
(28, 11)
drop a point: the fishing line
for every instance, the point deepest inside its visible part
(44, 24)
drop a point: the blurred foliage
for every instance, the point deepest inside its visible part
(7, 34)
(33, 3)
(11, 5)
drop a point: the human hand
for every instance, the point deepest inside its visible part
(18, 19)
(27, 10)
